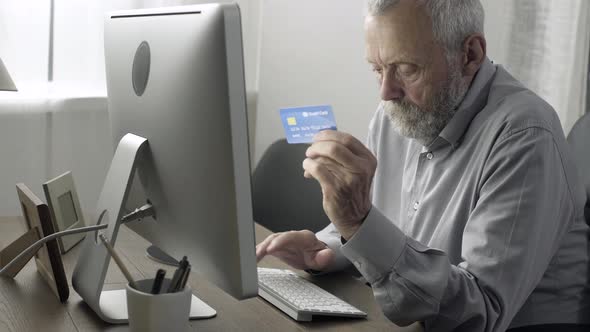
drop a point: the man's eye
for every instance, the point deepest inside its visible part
(408, 73)
(407, 70)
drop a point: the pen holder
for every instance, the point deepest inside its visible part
(161, 312)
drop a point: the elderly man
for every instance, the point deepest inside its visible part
(464, 212)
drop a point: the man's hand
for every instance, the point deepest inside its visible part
(344, 167)
(300, 249)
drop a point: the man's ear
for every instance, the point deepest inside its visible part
(474, 54)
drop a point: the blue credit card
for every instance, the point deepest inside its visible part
(302, 123)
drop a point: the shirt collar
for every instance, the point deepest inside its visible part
(473, 102)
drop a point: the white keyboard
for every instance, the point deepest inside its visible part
(299, 298)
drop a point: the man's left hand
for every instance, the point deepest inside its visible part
(344, 167)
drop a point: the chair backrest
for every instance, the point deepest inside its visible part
(283, 199)
(579, 141)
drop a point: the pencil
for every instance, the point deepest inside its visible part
(119, 262)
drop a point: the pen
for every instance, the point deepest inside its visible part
(158, 281)
(185, 280)
(177, 275)
(119, 262)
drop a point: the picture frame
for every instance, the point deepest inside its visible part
(48, 258)
(65, 210)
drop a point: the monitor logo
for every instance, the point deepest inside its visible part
(141, 68)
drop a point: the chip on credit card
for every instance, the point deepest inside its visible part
(302, 123)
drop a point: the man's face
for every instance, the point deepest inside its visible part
(419, 89)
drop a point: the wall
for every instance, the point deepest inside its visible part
(499, 15)
(312, 52)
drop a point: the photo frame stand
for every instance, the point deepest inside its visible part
(39, 242)
(15, 248)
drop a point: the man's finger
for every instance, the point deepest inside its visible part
(261, 249)
(292, 260)
(356, 146)
(319, 172)
(294, 239)
(335, 151)
(321, 259)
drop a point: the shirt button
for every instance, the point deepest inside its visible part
(429, 155)
(416, 204)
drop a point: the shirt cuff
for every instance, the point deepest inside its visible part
(375, 247)
(333, 242)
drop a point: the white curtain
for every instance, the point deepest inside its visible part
(549, 52)
(78, 39)
(24, 39)
(49, 128)
(544, 43)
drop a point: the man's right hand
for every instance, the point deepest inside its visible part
(300, 249)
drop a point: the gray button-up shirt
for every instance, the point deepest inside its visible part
(483, 229)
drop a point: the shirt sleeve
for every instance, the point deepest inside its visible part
(330, 235)
(523, 210)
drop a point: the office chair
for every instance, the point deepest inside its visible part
(579, 140)
(283, 199)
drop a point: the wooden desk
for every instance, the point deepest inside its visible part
(27, 303)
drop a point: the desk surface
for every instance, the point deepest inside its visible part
(27, 303)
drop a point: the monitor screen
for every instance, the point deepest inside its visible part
(175, 76)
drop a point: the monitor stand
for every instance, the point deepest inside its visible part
(93, 262)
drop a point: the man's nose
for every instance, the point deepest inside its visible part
(391, 88)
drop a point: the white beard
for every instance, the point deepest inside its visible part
(425, 124)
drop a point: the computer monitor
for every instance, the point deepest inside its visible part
(175, 76)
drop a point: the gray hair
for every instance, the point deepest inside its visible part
(452, 20)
